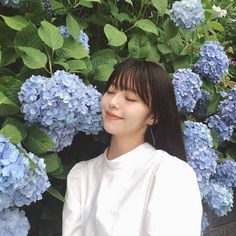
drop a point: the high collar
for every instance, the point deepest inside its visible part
(130, 159)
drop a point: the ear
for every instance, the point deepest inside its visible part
(152, 120)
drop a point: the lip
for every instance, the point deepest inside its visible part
(112, 116)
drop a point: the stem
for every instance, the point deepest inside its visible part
(49, 62)
(141, 8)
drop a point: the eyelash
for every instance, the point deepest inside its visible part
(127, 98)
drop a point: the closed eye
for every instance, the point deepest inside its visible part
(130, 99)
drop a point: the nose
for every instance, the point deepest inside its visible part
(115, 100)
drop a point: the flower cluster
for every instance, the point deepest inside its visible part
(187, 89)
(219, 197)
(82, 37)
(13, 222)
(197, 136)
(221, 12)
(48, 7)
(19, 184)
(226, 173)
(12, 3)
(201, 106)
(203, 161)
(62, 106)
(227, 108)
(213, 62)
(223, 130)
(187, 14)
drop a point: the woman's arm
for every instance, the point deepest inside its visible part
(174, 206)
(71, 217)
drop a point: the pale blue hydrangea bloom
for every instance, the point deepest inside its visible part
(186, 14)
(219, 198)
(82, 37)
(20, 184)
(223, 130)
(205, 223)
(227, 108)
(12, 3)
(213, 61)
(226, 173)
(187, 89)
(13, 222)
(203, 161)
(48, 7)
(196, 136)
(62, 106)
(201, 106)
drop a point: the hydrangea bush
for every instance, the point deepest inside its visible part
(52, 75)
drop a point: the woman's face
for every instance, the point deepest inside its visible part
(124, 113)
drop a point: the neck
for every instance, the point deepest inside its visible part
(122, 145)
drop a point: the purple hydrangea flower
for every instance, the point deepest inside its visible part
(19, 183)
(62, 106)
(187, 89)
(227, 108)
(219, 198)
(82, 37)
(226, 173)
(213, 62)
(186, 14)
(223, 130)
(13, 222)
(203, 161)
(196, 136)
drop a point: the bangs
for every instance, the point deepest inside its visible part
(132, 80)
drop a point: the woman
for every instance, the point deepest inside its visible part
(141, 185)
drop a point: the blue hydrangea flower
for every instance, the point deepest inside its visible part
(223, 130)
(187, 89)
(205, 223)
(226, 173)
(196, 136)
(62, 106)
(82, 37)
(186, 14)
(201, 106)
(13, 222)
(227, 108)
(12, 3)
(203, 161)
(48, 7)
(219, 198)
(213, 62)
(20, 184)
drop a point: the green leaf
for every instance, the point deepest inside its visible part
(38, 141)
(153, 55)
(231, 151)
(130, 2)
(14, 130)
(50, 35)
(28, 37)
(181, 62)
(76, 65)
(139, 46)
(32, 57)
(147, 25)
(84, 1)
(15, 22)
(52, 161)
(9, 56)
(233, 138)
(216, 26)
(115, 37)
(164, 49)
(160, 5)
(55, 193)
(7, 107)
(212, 105)
(170, 29)
(103, 72)
(73, 26)
(72, 49)
(58, 7)
(176, 44)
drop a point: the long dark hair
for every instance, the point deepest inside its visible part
(152, 84)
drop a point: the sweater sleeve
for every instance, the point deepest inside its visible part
(174, 205)
(71, 216)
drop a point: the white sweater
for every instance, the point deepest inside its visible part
(145, 192)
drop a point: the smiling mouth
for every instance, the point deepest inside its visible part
(112, 116)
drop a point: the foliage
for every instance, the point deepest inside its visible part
(85, 39)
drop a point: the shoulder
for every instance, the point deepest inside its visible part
(80, 168)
